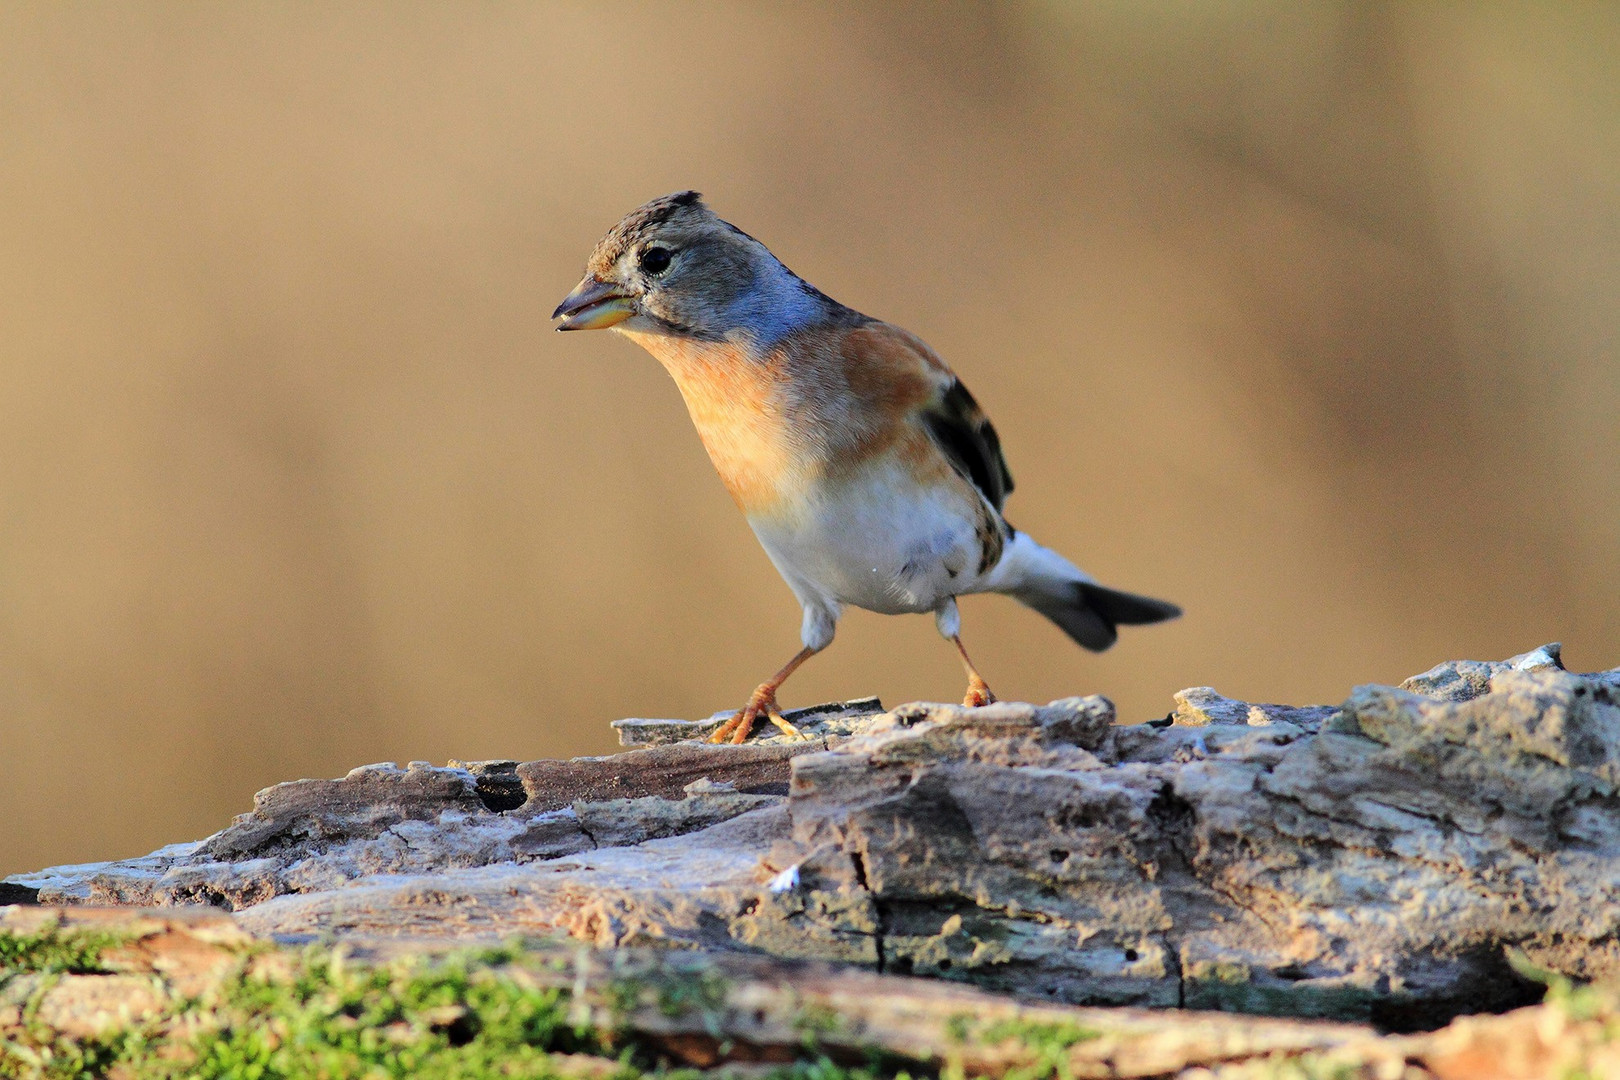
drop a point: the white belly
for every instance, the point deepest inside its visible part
(877, 541)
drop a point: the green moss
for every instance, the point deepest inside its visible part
(1230, 986)
(45, 955)
(452, 1018)
(321, 1014)
(1593, 1004)
(826, 1069)
(55, 950)
(1306, 1067)
(814, 1022)
(37, 1056)
(1048, 1042)
(325, 1018)
(701, 992)
(1225, 971)
(1578, 1001)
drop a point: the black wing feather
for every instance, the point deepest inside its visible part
(964, 433)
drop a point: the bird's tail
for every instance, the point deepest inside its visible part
(1089, 613)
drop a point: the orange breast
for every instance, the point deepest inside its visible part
(738, 407)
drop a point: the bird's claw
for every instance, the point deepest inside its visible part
(978, 693)
(763, 703)
(775, 716)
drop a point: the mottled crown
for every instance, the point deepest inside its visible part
(675, 208)
(715, 281)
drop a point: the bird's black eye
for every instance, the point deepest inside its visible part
(655, 260)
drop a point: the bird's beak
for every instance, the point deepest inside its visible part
(594, 305)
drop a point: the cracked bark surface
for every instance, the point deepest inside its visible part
(1374, 860)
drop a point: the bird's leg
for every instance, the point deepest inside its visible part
(739, 727)
(978, 691)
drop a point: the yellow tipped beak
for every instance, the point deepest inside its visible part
(594, 305)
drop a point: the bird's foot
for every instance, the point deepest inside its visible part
(978, 693)
(762, 702)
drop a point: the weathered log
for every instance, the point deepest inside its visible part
(1375, 860)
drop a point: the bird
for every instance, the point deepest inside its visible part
(864, 466)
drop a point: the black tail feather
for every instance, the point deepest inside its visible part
(1091, 614)
(1126, 609)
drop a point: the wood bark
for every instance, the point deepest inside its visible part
(1378, 860)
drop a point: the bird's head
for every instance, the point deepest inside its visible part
(673, 267)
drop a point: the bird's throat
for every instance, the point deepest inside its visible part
(739, 405)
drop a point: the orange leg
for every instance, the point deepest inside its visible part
(739, 727)
(978, 691)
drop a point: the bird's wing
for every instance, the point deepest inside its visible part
(894, 372)
(964, 434)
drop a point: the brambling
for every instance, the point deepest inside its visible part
(864, 466)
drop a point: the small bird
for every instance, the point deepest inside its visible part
(866, 469)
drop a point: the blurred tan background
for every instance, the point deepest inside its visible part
(1304, 316)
